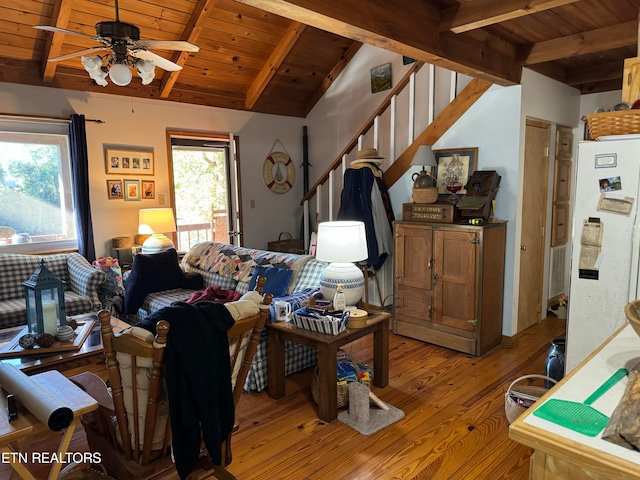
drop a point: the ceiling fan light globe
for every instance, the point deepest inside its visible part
(120, 74)
(100, 77)
(91, 63)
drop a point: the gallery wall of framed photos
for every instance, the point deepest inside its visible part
(133, 166)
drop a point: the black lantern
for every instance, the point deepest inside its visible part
(44, 294)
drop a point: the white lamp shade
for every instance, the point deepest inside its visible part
(342, 241)
(156, 220)
(424, 156)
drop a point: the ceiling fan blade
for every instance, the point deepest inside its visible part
(179, 45)
(86, 51)
(62, 30)
(157, 59)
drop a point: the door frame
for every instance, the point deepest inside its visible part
(543, 258)
(234, 195)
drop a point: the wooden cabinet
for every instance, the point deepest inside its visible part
(448, 284)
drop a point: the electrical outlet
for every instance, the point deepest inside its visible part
(252, 203)
(161, 199)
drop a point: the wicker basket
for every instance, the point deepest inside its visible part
(425, 195)
(520, 397)
(286, 244)
(342, 388)
(621, 122)
(121, 242)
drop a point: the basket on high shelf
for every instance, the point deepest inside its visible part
(623, 122)
(425, 195)
(520, 397)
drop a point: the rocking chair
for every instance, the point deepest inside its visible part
(131, 428)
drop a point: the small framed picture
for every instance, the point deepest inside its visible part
(148, 189)
(381, 78)
(455, 165)
(114, 188)
(128, 162)
(132, 190)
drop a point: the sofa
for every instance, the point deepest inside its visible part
(80, 289)
(222, 272)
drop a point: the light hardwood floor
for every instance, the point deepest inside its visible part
(454, 425)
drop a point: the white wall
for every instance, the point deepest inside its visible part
(136, 122)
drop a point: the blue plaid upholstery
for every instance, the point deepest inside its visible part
(204, 257)
(81, 284)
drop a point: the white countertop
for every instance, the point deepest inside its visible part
(623, 351)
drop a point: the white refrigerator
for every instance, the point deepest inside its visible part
(605, 243)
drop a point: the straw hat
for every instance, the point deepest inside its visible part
(368, 155)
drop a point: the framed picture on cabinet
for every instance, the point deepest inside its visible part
(114, 189)
(148, 189)
(455, 165)
(132, 190)
(128, 162)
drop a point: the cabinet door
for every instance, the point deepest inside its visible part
(413, 260)
(454, 288)
(413, 251)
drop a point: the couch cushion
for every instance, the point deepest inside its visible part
(151, 273)
(278, 280)
(13, 313)
(309, 276)
(18, 268)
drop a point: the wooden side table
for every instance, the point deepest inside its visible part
(27, 424)
(327, 347)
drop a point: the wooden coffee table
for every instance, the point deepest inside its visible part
(327, 347)
(90, 352)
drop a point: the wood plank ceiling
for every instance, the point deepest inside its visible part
(280, 56)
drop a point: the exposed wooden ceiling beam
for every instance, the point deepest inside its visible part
(595, 73)
(481, 13)
(406, 28)
(276, 58)
(606, 38)
(60, 18)
(190, 33)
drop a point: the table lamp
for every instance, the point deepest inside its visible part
(341, 243)
(157, 222)
(424, 184)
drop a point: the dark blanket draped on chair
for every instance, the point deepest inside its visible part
(198, 378)
(80, 172)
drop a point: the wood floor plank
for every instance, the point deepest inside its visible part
(454, 427)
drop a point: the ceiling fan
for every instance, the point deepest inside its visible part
(124, 49)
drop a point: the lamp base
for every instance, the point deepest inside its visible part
(346, 274)
(156, 243)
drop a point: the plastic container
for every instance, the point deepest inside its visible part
(339, 301)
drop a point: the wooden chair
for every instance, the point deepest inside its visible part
(132, 432)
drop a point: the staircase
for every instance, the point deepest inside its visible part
(321, 203)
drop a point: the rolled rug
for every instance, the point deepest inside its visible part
(46, 407)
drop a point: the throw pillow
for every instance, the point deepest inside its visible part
(277, 280)
(151, 273)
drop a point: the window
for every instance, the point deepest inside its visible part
(36, 198)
